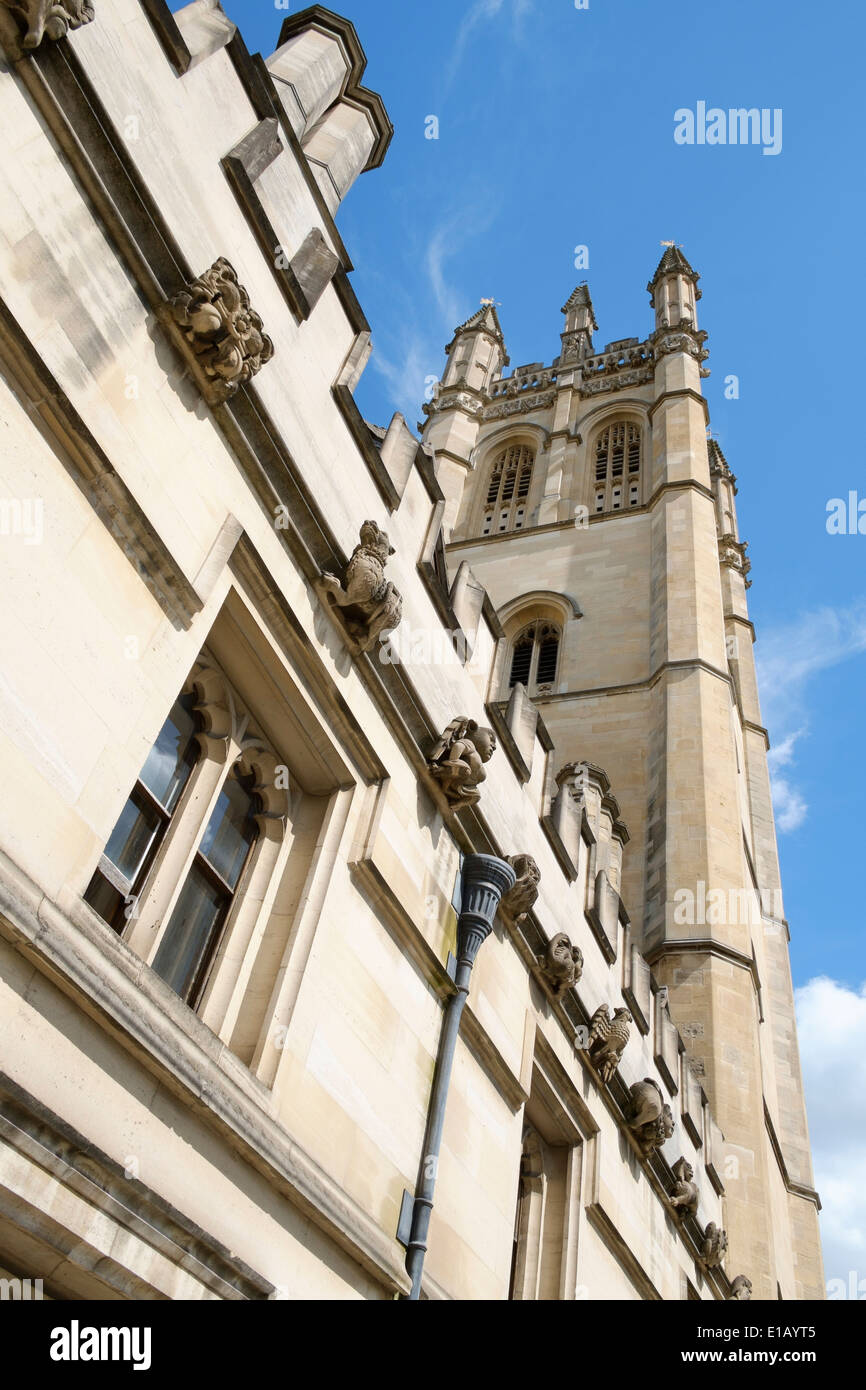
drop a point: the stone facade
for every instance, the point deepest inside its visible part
(236, 808)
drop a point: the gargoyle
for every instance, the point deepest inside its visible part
(608, 1035)
(715, 1246)
(741, 1290)
(684, 1198)
(456, 761)
(649, 1116)
(49, 19)
(561, 965)
(522, 896)
(370, 603)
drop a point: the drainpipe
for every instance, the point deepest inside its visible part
(484, 879)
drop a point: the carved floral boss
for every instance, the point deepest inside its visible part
(48, 19)
(218, 332)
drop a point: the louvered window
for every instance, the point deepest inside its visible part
(617, 456)
(507, 490)
(535, 656)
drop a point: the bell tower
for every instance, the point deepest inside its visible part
(622, 556)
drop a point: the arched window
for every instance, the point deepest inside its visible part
(535, 656)
(617, 467)
(508, 490)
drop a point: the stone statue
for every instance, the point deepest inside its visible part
(649, 1116)
(562, 964)
(221, 331)
(49, 19)
(741, 1290)
(370, 603)
(522, 896)
(608, 1035)
(457, 760)
(684, 1198)
(715, 1246)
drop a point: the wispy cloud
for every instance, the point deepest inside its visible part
(412, 359)
(788, 658)
(478, 14)
(831, 1023)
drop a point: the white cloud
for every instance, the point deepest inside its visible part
(475, 16)
(412, 356)
(831, 1022)
(789, 806)
(788, 658)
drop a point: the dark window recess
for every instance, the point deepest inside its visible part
(548, 651)
(521, 662)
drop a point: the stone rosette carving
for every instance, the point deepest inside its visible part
(218, 331)
(370, 604)
(715, 1246)
(457, 759)
(684, 1198)
(608, 1035)
(521, 898)
(561, 965)
(48, 19)
(649, 1116)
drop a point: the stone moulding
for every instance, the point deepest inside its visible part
(217, 331)
(47, 19)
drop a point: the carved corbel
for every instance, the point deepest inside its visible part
(369, 604)
(218, 332)
(456, 760)
(47, 19)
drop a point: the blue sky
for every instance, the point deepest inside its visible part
(556, 130)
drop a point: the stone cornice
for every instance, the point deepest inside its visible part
(797, 1189)
(678, 393)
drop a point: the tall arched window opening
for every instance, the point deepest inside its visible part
(535, 656)
(508, 490)
(617, 467)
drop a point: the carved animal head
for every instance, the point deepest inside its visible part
(622, 1016)
(375, 540)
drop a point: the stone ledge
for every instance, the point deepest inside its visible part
(100, 972)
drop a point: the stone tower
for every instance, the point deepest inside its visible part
(589, 499)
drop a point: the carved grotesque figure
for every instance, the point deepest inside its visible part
(649, 1116)
(684, 1198)
(457, 760)
(224, 334)
(715, 1246)
(741, 1289)
(608, 1035)
(49, 19)
(561, 965)
(525, 891)
(371, 605)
